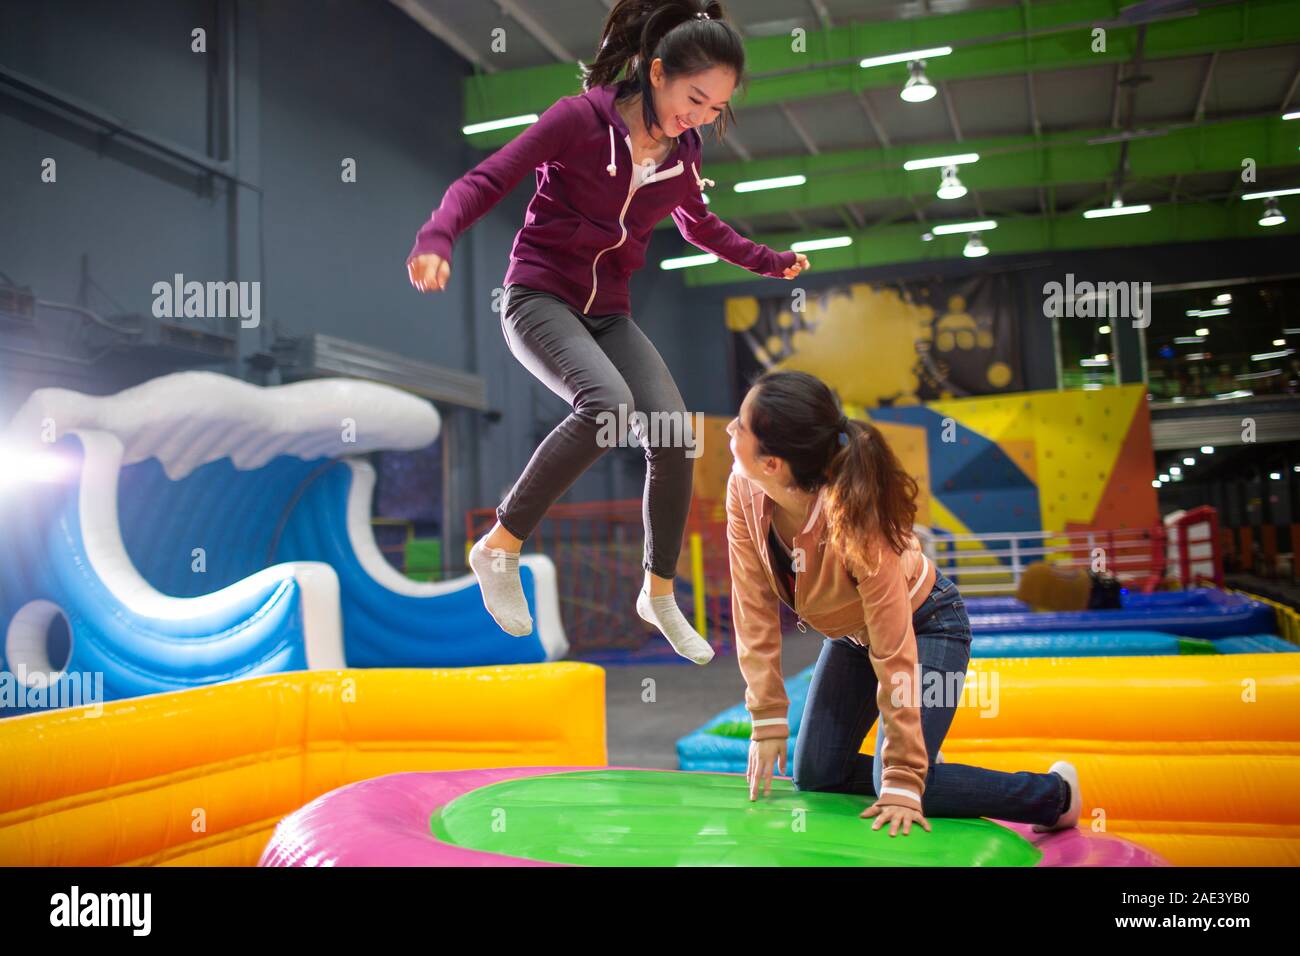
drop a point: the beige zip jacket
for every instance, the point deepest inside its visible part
(839, 599)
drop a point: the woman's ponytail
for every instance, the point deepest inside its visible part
(690, 36)
(620, 42)
(869, 493)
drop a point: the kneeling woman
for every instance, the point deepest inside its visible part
(819, 515)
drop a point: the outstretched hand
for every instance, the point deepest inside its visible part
(764, 758)
(800, 263)
(895, 815)
(429, 272)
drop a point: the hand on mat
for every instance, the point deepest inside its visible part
(800, 263)
(894, 815)
(429, 272)
(763, 757)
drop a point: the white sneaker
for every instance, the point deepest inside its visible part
(1070, 818)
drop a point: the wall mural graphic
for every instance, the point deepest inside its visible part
(886, 344)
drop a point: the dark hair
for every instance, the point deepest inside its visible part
(795, 416)
(637, 32)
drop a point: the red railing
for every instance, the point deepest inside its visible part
(597, 551)
(597, 548)
(1196, 547)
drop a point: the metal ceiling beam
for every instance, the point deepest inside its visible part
(1022, 162)
(421, 14)
(802, 132)
(1290, 91)
(536, 30)
(987, 42)
(1198, 114)
(870, 112)
(799, 130)
(859, 220)
(1205, 88)
(822, 14)
(808, 145)
(883, 136)
(891, 245)
(1132, 81)
(957, 134)
(1037, 127)
(1116, 95)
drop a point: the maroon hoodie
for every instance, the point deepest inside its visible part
(588, 224)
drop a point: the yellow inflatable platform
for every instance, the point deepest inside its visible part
(201, 777)
(1195, 757)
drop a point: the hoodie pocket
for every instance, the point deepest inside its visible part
(556, 233)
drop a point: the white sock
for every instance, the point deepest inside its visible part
(497, 571)
(663, 613)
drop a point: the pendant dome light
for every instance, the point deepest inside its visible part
(1272, 214)
(918, 89)
(950, 187)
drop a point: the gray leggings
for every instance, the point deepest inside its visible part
(596, 363)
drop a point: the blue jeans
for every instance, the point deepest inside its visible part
(841, 708)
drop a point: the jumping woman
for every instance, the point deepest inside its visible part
(611, 162)
(819, 515)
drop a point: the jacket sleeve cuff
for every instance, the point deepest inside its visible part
(428, 240)
(901, 788)
(768, 723)
(899, 796)
(784, 260)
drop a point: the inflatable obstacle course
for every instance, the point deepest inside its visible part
(1196, 757)
(130, 784)
(197, 529)
(623, 816)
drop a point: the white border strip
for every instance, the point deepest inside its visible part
(548, 625)
(102, 539)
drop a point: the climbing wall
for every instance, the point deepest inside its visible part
(1035, 460)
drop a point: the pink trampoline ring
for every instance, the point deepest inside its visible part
(391, 821)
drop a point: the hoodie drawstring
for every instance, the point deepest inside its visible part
(612, 168)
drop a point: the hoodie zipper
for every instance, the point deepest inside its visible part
(633, 186)
(799, 623)
(794, 597)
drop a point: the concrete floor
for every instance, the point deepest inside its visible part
(644, 733)
(1276, 589)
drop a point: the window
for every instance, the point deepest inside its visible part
(1234, 341)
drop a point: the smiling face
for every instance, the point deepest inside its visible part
(767, 470)
(687, 102)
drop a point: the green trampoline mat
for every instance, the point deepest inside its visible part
(665, 818)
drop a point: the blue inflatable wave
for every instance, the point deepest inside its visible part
(196, 529)
(64, 573)
(291, 510)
